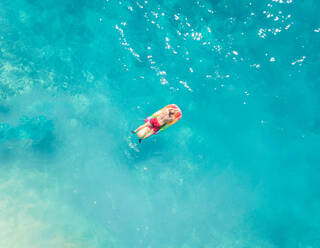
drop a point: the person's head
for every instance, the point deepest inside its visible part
(172, 112)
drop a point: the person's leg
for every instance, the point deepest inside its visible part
(142, 126)
(147, 135)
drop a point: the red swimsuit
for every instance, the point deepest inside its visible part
(155, 124)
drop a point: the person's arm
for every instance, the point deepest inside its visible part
(170, 108)
(168, 119)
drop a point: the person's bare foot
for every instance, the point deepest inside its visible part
(133, 131)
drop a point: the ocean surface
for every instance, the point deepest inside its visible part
(240, 169)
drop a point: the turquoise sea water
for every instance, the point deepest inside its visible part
(240, 169)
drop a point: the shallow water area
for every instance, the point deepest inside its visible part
(240, 169)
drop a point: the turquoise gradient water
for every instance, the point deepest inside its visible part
(240, 169)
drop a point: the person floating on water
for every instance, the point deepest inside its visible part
(167, 115)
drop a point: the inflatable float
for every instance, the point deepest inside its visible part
(165, 126)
